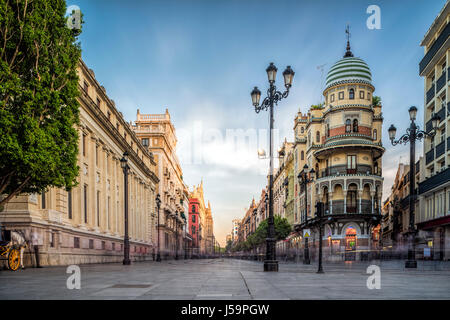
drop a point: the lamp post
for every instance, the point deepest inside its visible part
(412, 134)
(176, 235)
(303, 180)
(319, 211)
(158, 204)
(273, 97)
(126, 240)
(185, 238)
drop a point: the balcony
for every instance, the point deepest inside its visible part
(338, 208)
(342, 170)
(429, 156)
(430, 93)
(440, 149)
(435, 181)
(441, 113)
(429, 126)
(434, 48)
(441, 82)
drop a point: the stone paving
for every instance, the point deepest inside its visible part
(228, 279)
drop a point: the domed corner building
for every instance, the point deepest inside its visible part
(341, 140)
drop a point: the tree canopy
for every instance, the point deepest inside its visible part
(39, 110)
(257, 238)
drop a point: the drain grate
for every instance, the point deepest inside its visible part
(131, 286)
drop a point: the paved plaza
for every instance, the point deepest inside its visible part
(229, 279)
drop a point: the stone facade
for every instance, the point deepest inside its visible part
(86, 224)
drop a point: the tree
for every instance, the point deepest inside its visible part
(39, 110)
(229, 245)
(376, 101)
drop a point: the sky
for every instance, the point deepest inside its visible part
(200, 59)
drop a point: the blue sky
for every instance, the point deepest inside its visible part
(201, 58)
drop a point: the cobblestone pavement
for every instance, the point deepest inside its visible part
(228, 279)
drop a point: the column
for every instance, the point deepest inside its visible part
(372, 194)
(360, 193)
(330, 197)
(345, 201)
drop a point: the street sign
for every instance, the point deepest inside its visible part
(306, 233)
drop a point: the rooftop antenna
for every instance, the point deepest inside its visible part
(348, 53)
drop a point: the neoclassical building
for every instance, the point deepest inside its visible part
(341, 140)
(156, 132)
(86, 224)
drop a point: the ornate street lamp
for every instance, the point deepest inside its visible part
(412, 134)
(303, 180)
(126, 241)
(273, 97)
(158, 204)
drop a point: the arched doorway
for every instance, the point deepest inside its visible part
(350, 244)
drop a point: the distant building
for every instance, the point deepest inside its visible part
(157, 134)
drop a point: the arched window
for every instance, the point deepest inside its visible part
(193, 208)
(374, 134)
(376, 168)
(351, 94)
(318, 137)
(348, 126)
(309, 138)
(302, 155)
(355, 125)
(303, 129)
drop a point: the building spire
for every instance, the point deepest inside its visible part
(348, 53)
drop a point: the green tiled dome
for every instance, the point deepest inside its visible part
(347, 69)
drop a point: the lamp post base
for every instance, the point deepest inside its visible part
(306, 261)
(126, 262)
(271, 265)
(411, 264)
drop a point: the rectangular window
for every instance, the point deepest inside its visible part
(103, 245)
(341, 95)
(69, 203)
(96, 155)
(76, 242)
(91, 244)
(361, 94)
(332, 97)
(145, 142)
(85, 203)
(113, 246)
(84, 145)
(351, 164)
(52, 240)
(98, 102)
(86, 87)
(193, 218)
(98, 208)
(108, 114)
(43, 200)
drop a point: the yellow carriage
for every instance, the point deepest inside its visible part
(10, 252)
